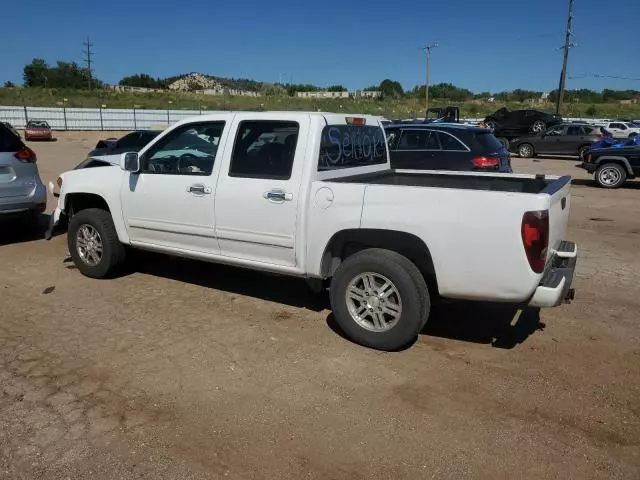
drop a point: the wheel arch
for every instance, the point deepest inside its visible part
(75, 202)
(615, 159)
(349, 241)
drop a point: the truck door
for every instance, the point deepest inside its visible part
(169, 202)
(258, 191)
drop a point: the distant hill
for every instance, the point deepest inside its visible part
(201, 81)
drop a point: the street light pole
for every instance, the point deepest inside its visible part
(427, 48)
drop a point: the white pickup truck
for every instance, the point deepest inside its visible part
(313, 195)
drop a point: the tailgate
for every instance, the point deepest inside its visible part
(560, 199)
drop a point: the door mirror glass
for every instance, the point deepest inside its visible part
(130, 162)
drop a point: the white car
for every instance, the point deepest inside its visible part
(622, 129)
(313, 195)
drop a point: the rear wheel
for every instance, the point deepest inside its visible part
(504, 142)
(379, 299)
(93, 243)
(538, 126)
(526, 150)
(633, 134)
(610, 175)
(583, 151)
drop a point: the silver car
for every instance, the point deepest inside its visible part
(22, 193)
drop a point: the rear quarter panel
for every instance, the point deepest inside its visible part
(474, 236)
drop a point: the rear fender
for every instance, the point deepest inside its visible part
(615, 159)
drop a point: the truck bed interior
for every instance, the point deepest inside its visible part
(538, 184)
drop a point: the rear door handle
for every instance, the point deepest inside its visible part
(277, 196)
(199, 189)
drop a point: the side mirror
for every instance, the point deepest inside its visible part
(130, 162)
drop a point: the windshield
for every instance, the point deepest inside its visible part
(38, 124)
(346, 146)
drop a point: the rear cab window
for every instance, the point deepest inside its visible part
(350, 146)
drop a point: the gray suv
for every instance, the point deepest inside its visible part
(22, 193)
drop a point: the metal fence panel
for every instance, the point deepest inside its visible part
(62, 118)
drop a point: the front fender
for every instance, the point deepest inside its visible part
(616, 159)
(102, 182)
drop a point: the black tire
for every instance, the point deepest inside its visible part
(538, 126)
(504, 142)
(113, 252)
(633, 134)
(610, 175)
(583, 151)
(411, 289)
(526, 150)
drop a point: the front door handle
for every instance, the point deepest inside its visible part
(278, 196)
(199, 189)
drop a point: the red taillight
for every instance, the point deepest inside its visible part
(535, 238)
(485, 162)
(25, 154)
(356, 121)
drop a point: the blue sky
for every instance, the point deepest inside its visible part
(484, 45)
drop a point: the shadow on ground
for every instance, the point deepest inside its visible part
(274, 288)
(500, 325)
(18, 230)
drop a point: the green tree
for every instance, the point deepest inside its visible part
(142, 80)
(336, 88)
(591, 111)
(35, 73)
(391, 89)
(9, 84)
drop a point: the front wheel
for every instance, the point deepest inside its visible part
(526, 150)
(379, 299)
(610, 175)
(93, 243)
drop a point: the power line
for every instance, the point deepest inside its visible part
(598, 75)
(567, 46)
(427, 49)
(87, 59)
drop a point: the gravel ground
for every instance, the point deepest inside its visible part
(185, 370)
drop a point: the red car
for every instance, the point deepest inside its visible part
(37, 130)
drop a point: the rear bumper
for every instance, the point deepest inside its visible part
(36, 201)
(555, 285)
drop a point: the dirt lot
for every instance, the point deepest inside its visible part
(184, 370)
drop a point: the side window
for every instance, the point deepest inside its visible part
(413, 140)
(451, 143)
(392, 139)
(575, 131)
(264, 149)
(432, 141)
(555, 131)
(188, 150)
(617, 125)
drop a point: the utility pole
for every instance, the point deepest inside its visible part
(567, 46)
(427, 49)
(87, 59)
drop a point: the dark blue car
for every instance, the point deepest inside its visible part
(446, 146)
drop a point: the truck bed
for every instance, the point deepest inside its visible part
(496, 183)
